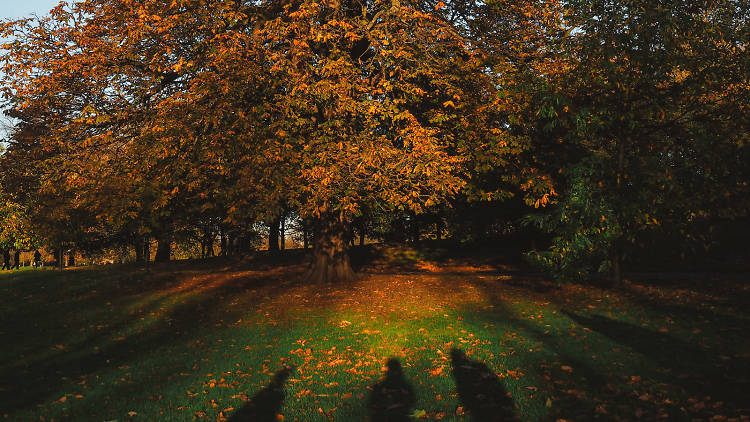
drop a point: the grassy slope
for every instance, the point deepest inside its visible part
(197, 341)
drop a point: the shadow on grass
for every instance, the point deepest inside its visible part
(699, 370)
(400, 258)
(37, 369)
(599, 377)
(392, 398)
(480, 390)
(266, 404)
(575, 392)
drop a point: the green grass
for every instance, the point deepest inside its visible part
(202, 341)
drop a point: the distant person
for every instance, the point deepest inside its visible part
(37, 259)
(17, 259)
(6, 259)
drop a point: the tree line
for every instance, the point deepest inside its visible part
(611, 127)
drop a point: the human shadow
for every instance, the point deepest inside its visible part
(480, 390)
(266, 404)
(392, 398)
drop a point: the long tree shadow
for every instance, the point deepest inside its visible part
(266, 404)
(480, 390)
(41, 373)
(699, 370)
(392, 398)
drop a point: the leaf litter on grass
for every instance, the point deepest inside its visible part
(560, 354)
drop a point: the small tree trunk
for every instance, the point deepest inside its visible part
(617, 269)
(223, 244)
(60, 259)
(618, 248)
(282, 232)
(138, 249)
(273, 234)
(72, 258)
(164, 248)
(330, 262)
(204, 243)
(146, 245)
(305, 238)
(362, 236)
(414, 228)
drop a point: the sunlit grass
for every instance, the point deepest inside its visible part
(197, 342)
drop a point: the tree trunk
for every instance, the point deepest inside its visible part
(223, 243)
(164, 248)
(207, 244)
(617, 255)
(305, 238)
(330, 262)
(146, 245)
(273, 234)
(414, 228)
(282, 232)
(60, 259)
(617, 269)
(72, 258)
(138, 249)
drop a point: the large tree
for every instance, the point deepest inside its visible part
(138, 111)
(364, 111)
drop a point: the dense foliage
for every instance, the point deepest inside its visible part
(189, 121)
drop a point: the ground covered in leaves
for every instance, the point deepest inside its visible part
(417, 337)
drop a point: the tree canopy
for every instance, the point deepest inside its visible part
(137, 119)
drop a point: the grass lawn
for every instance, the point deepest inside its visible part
(418, 336)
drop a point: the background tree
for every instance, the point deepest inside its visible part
(645, 129)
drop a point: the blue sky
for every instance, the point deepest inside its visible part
(14, 9)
